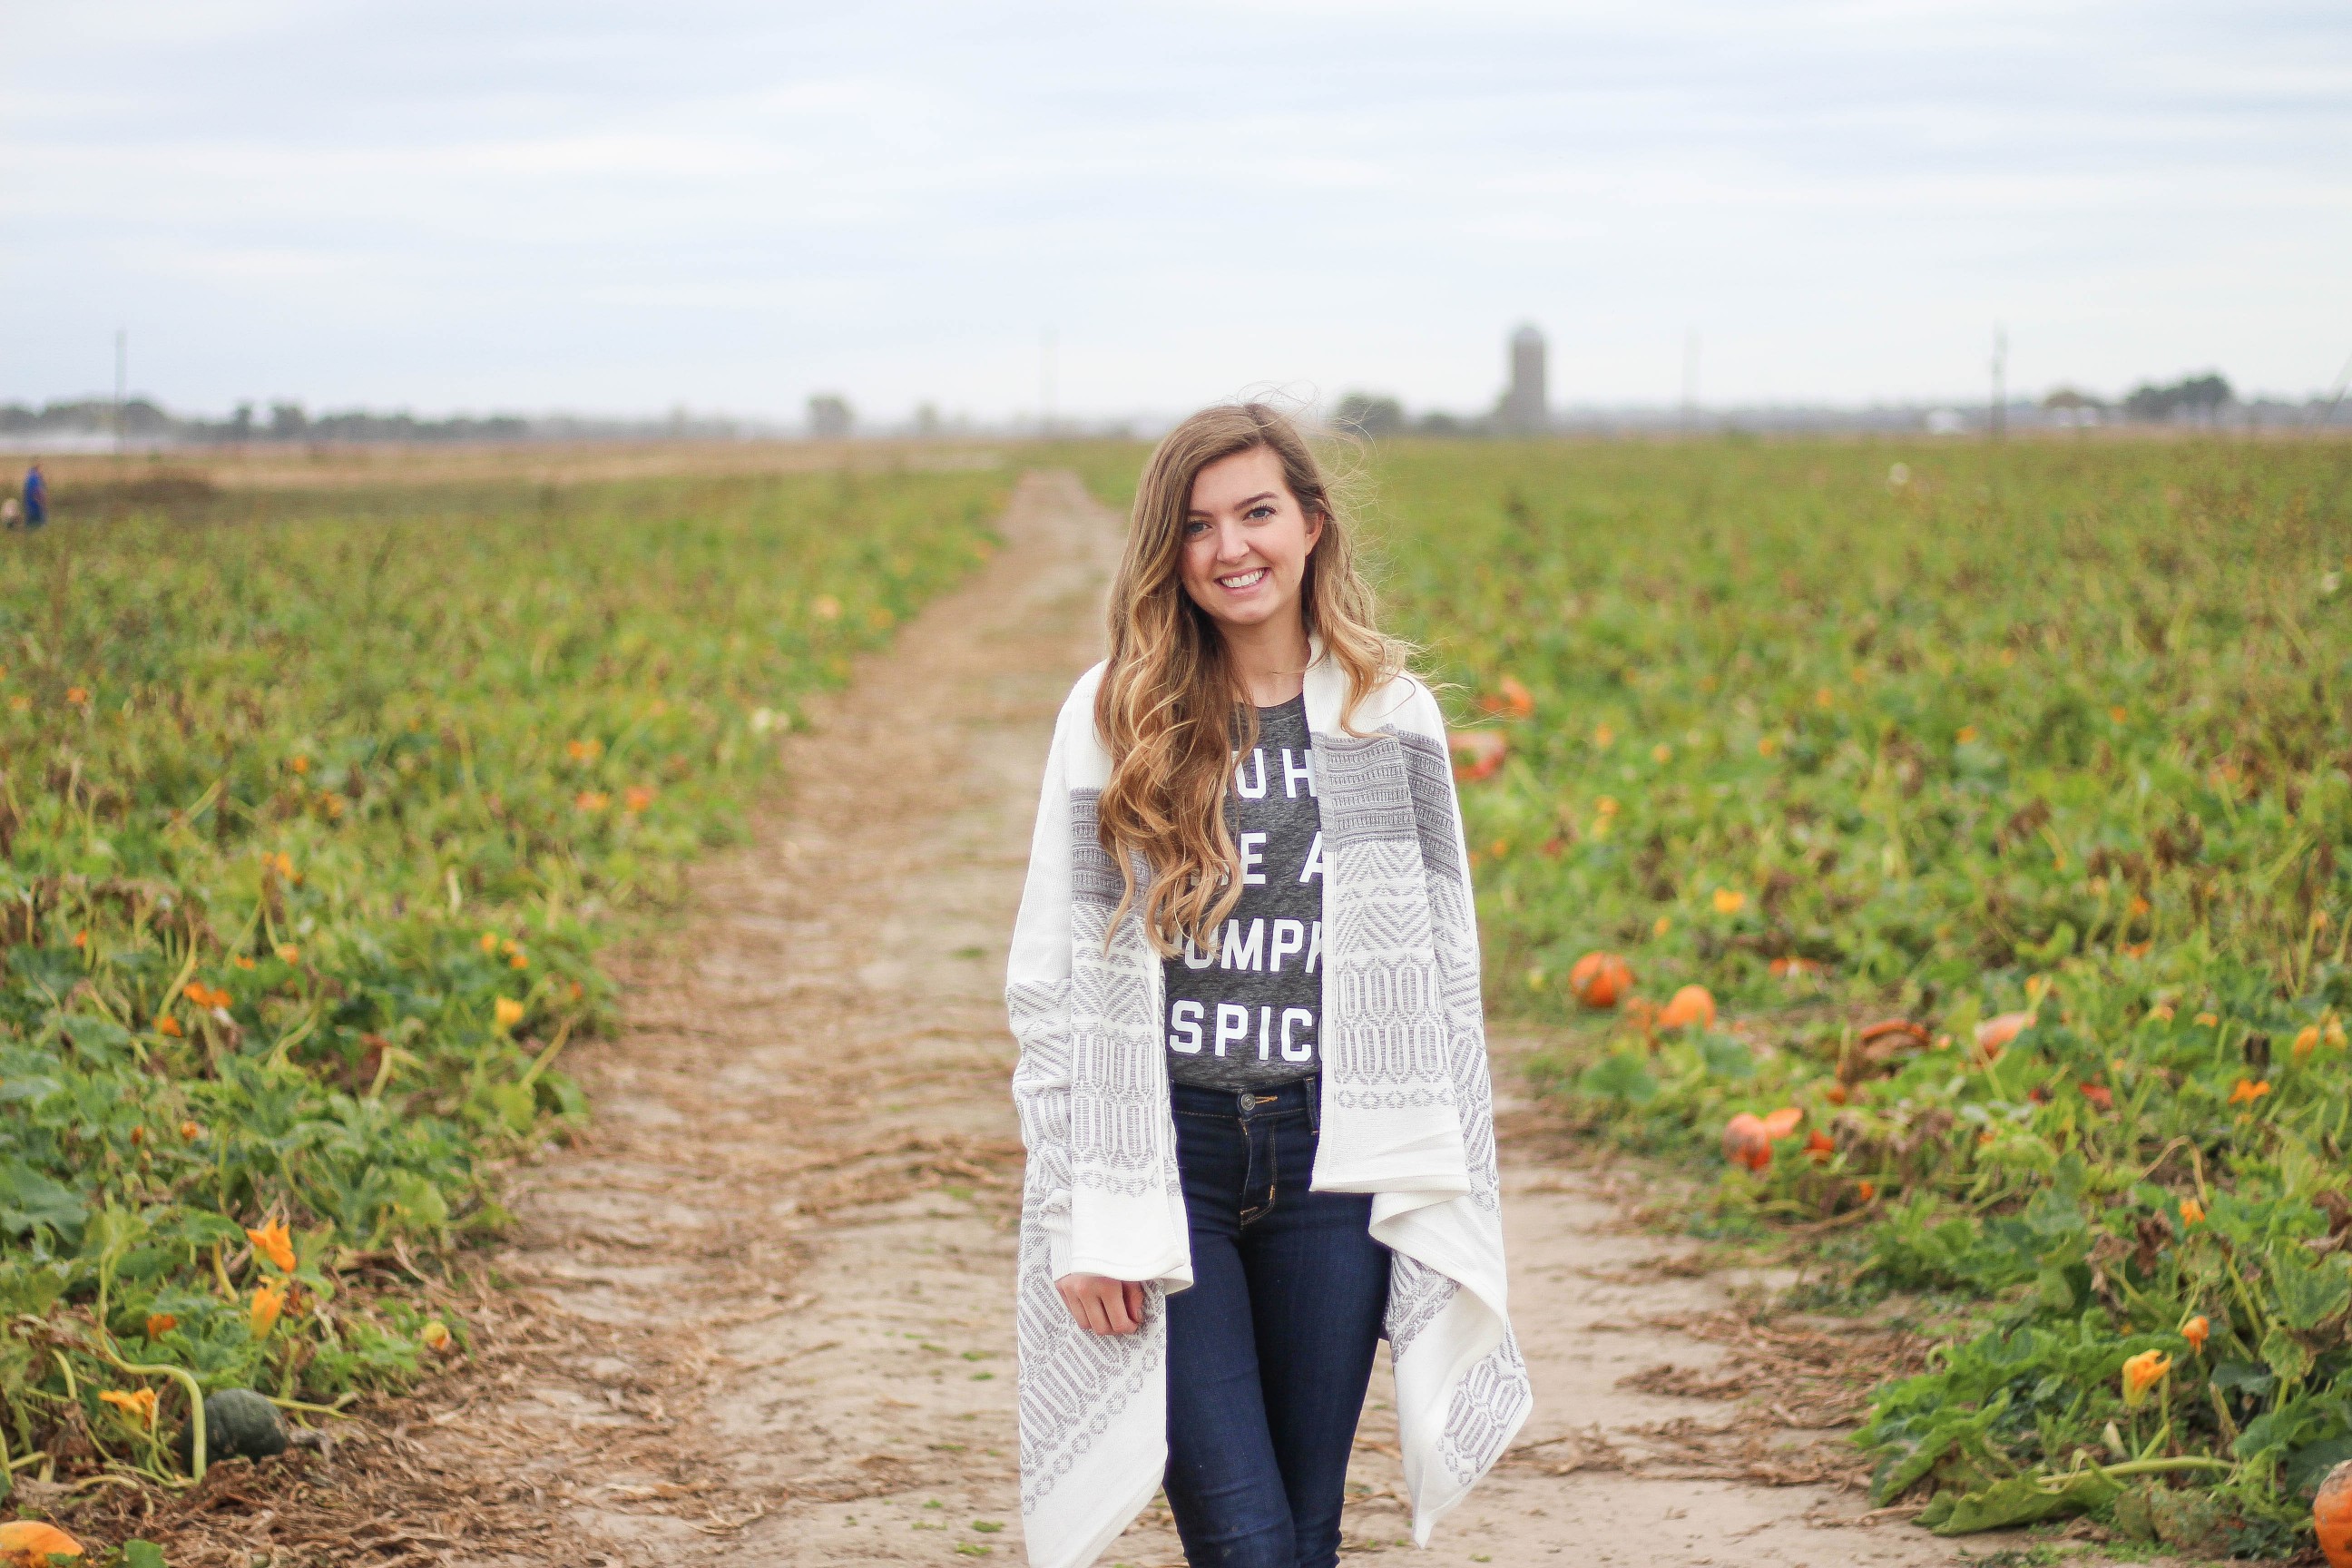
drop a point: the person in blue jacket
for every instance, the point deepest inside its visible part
(37, 497)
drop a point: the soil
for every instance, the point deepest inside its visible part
(762, 1312)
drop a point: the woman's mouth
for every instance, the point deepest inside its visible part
(1241, 580)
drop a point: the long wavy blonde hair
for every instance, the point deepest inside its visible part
(1170, 707)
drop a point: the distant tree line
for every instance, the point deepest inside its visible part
(2198, 397)
(88, 415)
(1373, 415)
(142, 420)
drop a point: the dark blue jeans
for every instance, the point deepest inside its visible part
(1269, 1352)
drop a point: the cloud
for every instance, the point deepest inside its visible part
(734, 204)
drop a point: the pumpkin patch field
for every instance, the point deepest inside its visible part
(1997, 798)
(316, 807)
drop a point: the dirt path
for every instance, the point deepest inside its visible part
(774, 1320)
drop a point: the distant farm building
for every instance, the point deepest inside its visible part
(1526, 408)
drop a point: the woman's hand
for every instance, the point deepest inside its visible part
(1102, 1306)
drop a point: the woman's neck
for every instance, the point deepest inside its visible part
(1269, 662)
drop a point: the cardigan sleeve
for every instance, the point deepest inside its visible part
(1430, 718)
(1038, 999)
(1445, 861)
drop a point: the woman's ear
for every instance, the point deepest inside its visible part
(1315, 517)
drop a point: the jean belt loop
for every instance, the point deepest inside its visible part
(1313, 1086)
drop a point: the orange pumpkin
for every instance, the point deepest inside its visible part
(1511, 701)
(1880, 1047)
(1691, 1006)
(1745, 1141)
(1478, 754)
(1748, 1137)
(1600, 979)
(29, 1543)
(2331, 1510)
(1995, 1033)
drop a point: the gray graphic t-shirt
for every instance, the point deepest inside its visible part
(1248, 1015)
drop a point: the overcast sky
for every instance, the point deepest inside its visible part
(623, 206)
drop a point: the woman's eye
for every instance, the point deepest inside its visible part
(1194, 530)
(1261, 510)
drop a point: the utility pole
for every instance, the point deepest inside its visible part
(2335, 394)
(1999, 382)
(1690, 384)
(121, 383)
(1046, 383)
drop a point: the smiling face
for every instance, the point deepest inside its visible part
(1247, 540)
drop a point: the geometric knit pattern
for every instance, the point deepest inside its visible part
(1495, 1396)
(1414, 771)
(1092, 1093)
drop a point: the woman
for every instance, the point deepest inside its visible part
(1253, 1078)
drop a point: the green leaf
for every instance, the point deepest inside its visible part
(202, 1229)
(516, 1106)
(96, 1036)
(2056, 1287)
(2286, 1355)
(417, 1196)
(1950, 1431)
(1620, 1077)
(2308, 1297)
(2243, 1377)
(2023, 1500)
(1727, 1057)
(31, 1288)
(28, 1198)
(15, 1090)
(2308, 1466)
(2052, 1213)
(111, 1232)
(2062, 943)
(143, 1554)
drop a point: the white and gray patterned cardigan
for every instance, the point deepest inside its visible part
(1407, 1117)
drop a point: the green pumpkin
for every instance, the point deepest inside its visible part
(239, 1424)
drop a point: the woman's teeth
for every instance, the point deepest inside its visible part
(1243, 580)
